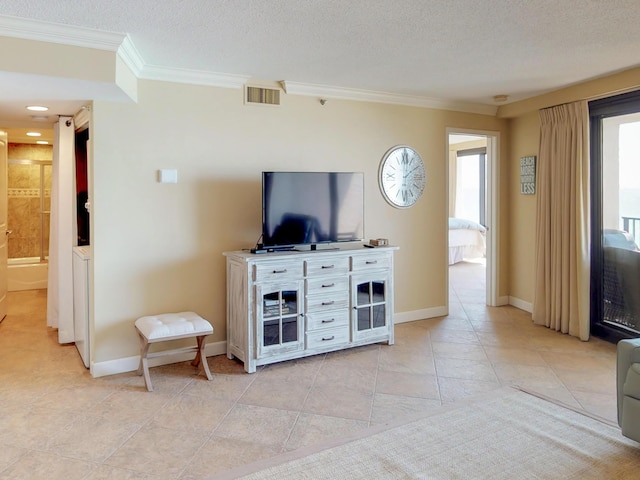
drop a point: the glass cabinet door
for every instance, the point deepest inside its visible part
(279, 318)
(369, 301)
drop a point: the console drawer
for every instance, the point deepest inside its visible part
(331, 337)
(324, 320)
(277, 271)
(327, 266)
(324, 285)
(320, 303)
(372, 261)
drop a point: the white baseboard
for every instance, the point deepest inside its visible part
(521, 304)
(420, 314)
(502, 301)
(130, 364)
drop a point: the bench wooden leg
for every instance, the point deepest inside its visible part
(143, 366)
(201, 357)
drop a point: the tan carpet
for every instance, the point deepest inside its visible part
(510, 434)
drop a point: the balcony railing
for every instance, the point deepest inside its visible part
(632, 225)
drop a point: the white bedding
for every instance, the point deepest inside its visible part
(466, 242)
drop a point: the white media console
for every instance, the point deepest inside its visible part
(286, 305)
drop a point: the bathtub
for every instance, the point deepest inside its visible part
(27, 274)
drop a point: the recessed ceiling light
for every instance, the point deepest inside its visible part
(42, 142)
(34, 134)
(37, 108)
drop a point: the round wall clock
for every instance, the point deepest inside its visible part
(402, 176)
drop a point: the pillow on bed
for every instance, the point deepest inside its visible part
(460, 223)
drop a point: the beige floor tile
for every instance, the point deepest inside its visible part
(311, 429)
(224, 387)
(158, 451)
(481, 370)
(406, 360)
(131, 406)
(594, 381)
(191, 414)
(220, 454)
(460, 351)
(407, 384)
(352, 376)
(30, 427)
(91, 439)
(37, 464)
(339, 401)
(455, 336)
(514, 356)
(266, 391)
(532, 376)
(107, 472)
(250, 423)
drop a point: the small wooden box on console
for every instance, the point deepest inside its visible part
(286, 305)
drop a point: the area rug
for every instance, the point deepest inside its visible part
(509, 434)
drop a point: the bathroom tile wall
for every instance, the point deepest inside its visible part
(24, 220)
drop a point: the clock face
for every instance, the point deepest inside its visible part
(402, 176)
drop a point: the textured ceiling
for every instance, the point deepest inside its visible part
(461, 50)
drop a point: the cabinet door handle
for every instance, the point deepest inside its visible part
(328, 303)
(329, 320)
(371, 262)
(328, 285)
(280, 271)
(326, 339)
(328, 266)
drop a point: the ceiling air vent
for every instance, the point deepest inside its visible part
(262, 96)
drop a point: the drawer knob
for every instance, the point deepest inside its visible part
(329, 320)
(280, 271)
(328, 266)
(371, 262)
(328, 303)
(326, 339)
(328, 285)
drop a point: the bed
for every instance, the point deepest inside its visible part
(466, 240)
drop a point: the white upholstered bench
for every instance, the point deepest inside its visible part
(172, 326)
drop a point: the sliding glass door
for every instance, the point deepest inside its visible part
(615, 187)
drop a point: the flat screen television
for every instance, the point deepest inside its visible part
(310, 208)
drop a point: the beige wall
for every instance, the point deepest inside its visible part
(524, 134)
(158, 247)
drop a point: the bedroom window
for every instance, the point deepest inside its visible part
(615, 237)
(471, 184)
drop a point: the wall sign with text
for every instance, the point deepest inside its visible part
(528, 175)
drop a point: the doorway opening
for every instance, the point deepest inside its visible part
(471, 240)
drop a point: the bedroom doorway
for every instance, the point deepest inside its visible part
(471, 217)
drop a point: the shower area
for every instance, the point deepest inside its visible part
(29, 211)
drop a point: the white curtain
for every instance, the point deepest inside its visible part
(61, 234)
(562, 264)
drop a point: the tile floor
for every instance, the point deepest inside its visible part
(56, 422)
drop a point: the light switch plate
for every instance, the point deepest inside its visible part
(168, 176)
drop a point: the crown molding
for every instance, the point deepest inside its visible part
(327, 91)
(121, 44)
(41, 31)
(194, 77)
(130, 56)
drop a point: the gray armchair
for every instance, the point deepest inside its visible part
(628, 383)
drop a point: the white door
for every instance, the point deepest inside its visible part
(3, 225)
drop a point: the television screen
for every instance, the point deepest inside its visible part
(300, 208)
